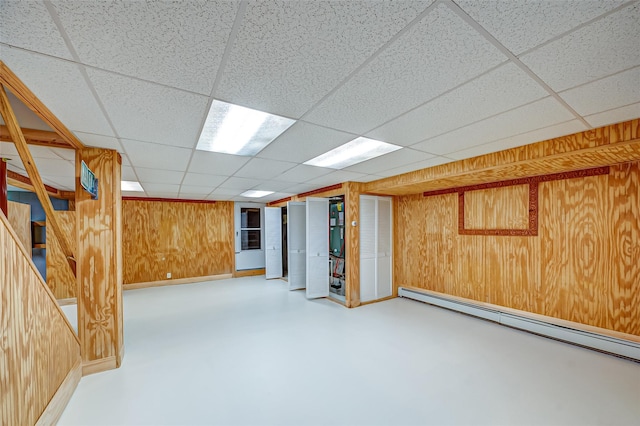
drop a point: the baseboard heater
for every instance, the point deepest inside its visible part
(620, 347)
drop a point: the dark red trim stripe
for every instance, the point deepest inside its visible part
(169, 200)
(280, 201)
(533, 183)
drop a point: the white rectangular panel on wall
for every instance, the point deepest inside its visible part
(317, 246)
(297, 245)
(273, 242)
(376, 248)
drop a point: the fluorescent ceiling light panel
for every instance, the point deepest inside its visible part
(232, 129)
(129, 186)
(256, 194)
(354, 152)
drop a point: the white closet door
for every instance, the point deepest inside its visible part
(273, 242)
(317, 247)
(296, 242)
(384, 249)
(367, 248)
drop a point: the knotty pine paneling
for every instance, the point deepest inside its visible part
(497, 208)
(583, 266)
(19, 215)
(185, 239)
(39, 347)
(59, 277)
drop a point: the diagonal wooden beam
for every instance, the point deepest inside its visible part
(30, 165)
(37, 137)
(22, 92)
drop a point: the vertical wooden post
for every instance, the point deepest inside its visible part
(3, 186)
(352, 254)
(99, 262)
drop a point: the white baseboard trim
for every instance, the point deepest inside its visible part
(620, 344)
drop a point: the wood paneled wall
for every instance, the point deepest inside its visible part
(59, 277)
(497, 208)
(182, 238)
(584, 265)
(19, 215)
(38, 348)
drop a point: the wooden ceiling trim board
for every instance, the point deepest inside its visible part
(30, 165)
(22, 92)
(614, 144)
(37, 137)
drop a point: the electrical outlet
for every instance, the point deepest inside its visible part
(168, 274)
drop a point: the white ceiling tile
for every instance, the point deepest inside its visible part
(338, 176)
(65, 154)
(215, 163)
(63, 183)
(602, 48)
(418, 66)
(173, 43)
(616, 115)
(161, 189)
(159, 175)
(153, 155)
(201, 179)
(520, 24)
(240, 183)
(48, 167)
(431, 162)
(289, 54)
(42, 152)
(149, 112)
(302, 187)
(99, 141)
(264, 169)
(504, 88)
(370, 178)
(605, 94)
(304, 141)
(26, 118)
(389, 161)
(272, 185)
(538, 135)
(128, 174)
(195, 190)
(303, 173)
(543, 113)
(227, 191)
(276, 196)
(8, 149)
(61, 87)
(28, 24)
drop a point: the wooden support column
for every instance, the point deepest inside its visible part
(3, 186)
(99, 266)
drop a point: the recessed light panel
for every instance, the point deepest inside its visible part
(232, 129)
(256, 194)
(354, 152)
(131, 186)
